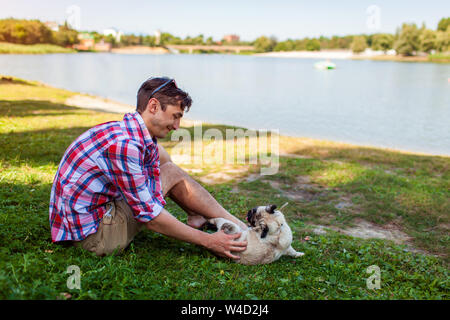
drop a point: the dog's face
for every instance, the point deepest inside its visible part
(266, 219)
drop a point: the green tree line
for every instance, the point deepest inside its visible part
(167, 38)
(408, 39)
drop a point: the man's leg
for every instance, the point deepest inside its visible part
(190, 195)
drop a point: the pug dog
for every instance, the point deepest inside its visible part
(268, 236)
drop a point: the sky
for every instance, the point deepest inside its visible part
(249, 19)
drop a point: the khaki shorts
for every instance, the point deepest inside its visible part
(116, 230)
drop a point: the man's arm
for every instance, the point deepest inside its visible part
(219, 242)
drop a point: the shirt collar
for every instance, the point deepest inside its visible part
(144, 134)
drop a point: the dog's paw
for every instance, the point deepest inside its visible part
(228, 228)
(299, 254)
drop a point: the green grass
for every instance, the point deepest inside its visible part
(12, 48)
(384, 186)
(439, 57)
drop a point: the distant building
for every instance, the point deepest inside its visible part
(231, 38)
(86, 42)
(52, 25)
(117, 35)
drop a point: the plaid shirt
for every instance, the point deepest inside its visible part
(113, 160)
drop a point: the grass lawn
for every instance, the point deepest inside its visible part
(13, 48)
(329, 184)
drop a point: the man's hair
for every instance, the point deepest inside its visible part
(170, 94)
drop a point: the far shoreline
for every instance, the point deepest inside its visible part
(335, 54)
(349, 55)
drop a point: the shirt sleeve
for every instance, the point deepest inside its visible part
(125, 163)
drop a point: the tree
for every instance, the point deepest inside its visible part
(442, 43)
(111, 39)
(264, 44)
(313, 45)
(198, 40)
(287, 45)
(359, 44)
(443, 24)
(65, 36)
(408, 40)
(24, 31)
(300, 45)
(382, 41)
(427, 40)
(149, 41)
(345, 42)
(167, 38)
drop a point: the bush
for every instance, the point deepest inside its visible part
(264, 44)
(359, 44)
(408, 40)
(443, 24)
(65, 36)
(442, 43)
(382, 41)
(427, 40)
(313, 45)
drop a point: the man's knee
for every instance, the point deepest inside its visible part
(171, 175)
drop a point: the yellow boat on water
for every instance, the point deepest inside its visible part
(325, 65)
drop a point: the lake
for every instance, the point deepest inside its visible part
(403, 106)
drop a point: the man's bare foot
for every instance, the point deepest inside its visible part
(196, 221)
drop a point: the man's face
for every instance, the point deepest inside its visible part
(160, 122)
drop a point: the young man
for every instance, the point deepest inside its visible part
(112, 181)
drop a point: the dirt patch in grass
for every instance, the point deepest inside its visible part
(367, 230)
(226, 174)
(300, 190)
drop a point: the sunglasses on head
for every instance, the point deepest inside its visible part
(167, 81)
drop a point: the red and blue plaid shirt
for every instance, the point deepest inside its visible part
(113, 160)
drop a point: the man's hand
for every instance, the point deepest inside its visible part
(220, 243)
(223, 244)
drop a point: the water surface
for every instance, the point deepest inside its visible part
(386, 104)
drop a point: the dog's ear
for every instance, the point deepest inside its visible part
(264, 232)
(271, 208)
